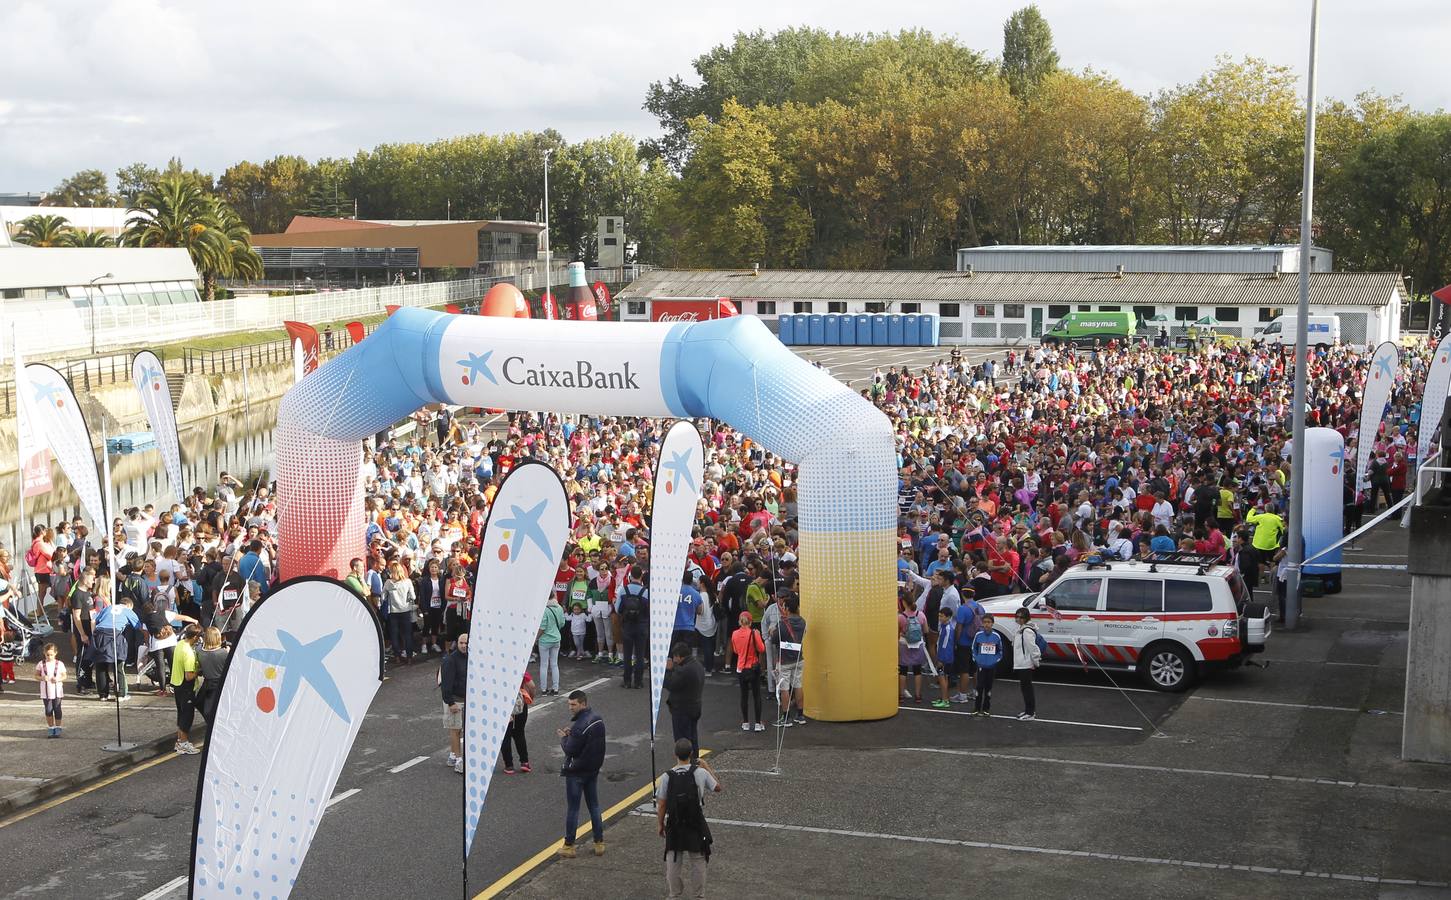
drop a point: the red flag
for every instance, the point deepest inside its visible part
(1444, 295)
(307, 335)
(391, 308)
(602, 297)
(724, 309)
(546, 301)
(356, 332)
(452, 308)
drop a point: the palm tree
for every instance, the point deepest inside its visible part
(176, 212)
(45, 231)
(81, 238)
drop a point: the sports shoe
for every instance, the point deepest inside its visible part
(760, 727)
(567, 852)
(745, 726)
(452, 760)
(459, 766)
(784, 723)
(525, 768)
(185, 748)
(941, 704)
(906, 694)
(508, 770)
(983, 714)
(599, 848)
(959, 698)
(1026, 717)
(799, 720)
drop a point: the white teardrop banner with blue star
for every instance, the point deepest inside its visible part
(523, 544)
(677, 489)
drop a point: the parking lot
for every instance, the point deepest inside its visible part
(1278, 782)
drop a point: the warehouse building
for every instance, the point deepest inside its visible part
(979, 307)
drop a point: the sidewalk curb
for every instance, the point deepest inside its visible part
(26, 797)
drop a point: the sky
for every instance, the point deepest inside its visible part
(104, 83)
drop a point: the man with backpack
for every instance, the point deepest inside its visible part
(1027, 656)
(680, 812)
(633, 609)
(967, 622)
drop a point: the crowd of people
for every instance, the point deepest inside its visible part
(1012, 469)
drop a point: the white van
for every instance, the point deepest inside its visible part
(1320, 331)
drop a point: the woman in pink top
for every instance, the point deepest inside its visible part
(41, 550)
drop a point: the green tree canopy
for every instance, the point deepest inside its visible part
(1028, 54)
(87, 187)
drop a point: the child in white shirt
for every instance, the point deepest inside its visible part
(578, 624)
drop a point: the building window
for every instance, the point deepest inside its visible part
(949, 310)
(765, 307)
(875, 306)
(13, 293)
(985, 311)
(1145, 313)
(1226, 313)
(1013, 311)
(635, 307)
(1057, 310)
(800, 306)
(610, 242)
(1186, 313)
(836, 306)
(1103, 308)
(911, 307)
(1084, 307)
(1269, 313)
(609, 226)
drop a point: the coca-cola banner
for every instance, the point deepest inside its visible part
(690, 310)
(602, 297)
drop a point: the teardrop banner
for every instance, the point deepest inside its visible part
(59, 418)
(155, 392)
(356, 332)
(297, 685)
(1384, 365)
(33, 453)
(306, 349)
(523, 544)
(1433, 400)
(677, 489)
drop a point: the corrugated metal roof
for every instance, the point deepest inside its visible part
(1158, 288)
(1136, 248)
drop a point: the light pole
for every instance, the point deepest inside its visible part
(547, 236)
(1296, 549)
(91, 298)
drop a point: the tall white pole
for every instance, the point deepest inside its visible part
(1296, 549)
(22, 536)
(548, 238)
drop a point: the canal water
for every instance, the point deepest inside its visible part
(239, 444)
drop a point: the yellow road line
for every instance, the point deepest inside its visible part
(64, 798)
(533, 862)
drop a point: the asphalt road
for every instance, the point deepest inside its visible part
(394, 828)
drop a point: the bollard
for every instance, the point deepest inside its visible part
(1426, 727)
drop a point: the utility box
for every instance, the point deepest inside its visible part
(610, 242)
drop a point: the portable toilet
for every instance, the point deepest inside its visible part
(894, 330)
(911, 330)
(847, 332)
(864, 331)
(927, 335)
(833, 330)
(786, 330)
(879, 330)
(817, 325)
(803, 329)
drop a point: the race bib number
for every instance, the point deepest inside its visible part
(787, 645)
(229, 597)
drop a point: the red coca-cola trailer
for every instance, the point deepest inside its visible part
(692, 309)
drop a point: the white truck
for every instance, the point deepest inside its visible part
(1320, 331)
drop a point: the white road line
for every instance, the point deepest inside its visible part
(1170, 770)
(25, 778)
(173, 884)
(1094, 687)
(539, 707)
(408, 765)
(1351, 709)
(339, 798)
(71, 706)
(1055, 851)
(1329, 662)
(954, 712)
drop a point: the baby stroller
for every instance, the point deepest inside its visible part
(23, 638)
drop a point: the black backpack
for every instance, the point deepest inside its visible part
(633, 608)
(685, 826)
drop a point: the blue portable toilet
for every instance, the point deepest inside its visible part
(817, 325)
(911, 330)
(879, 330)
(803, 329)
(927, 334)
(863, 331)
(894, 330)
(786, 329)
(833, 330)
(847, 333)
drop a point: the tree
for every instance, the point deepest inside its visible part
(91, 239)
(178, 213)
(266, 197)
(45, 231)
(87, 187)
(1028, 54)
(132, 180)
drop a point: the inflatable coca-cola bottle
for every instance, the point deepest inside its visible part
(580, 302)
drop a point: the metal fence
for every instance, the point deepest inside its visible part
(83, 331)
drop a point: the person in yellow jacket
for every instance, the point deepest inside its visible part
(1268, 526)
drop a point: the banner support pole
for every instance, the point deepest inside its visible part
(120, 746)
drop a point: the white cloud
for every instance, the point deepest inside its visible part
(129, 80)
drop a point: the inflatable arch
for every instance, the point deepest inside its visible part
(729, 369)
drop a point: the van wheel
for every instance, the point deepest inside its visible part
(1167, 667)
